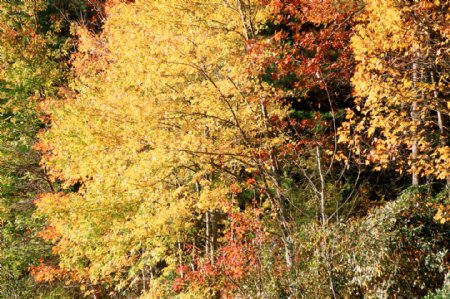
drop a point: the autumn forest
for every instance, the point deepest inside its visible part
(224, 149)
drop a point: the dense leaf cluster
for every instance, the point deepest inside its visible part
(224, 149)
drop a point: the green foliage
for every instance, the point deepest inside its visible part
(397, 249)
(31, 69)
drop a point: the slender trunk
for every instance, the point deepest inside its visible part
(414, 150)
(283, 215)
(285, 227)
(180, 259)
(144, 286)
(211, 234)
(442, 137)
(214, 218)
(208, 235)
(322, 189)
(280, 200)
(246, 23)
(324, 219)
(209, 243)
(429, 177)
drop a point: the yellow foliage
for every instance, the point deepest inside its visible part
(398, 84)
(162, 103)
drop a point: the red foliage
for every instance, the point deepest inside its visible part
(47, 273)
(310, 42)
(250, 183)
(49, 233)
(236, 260)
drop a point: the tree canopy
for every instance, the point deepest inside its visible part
(224, 149)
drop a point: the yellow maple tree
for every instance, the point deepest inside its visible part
(400, 84)
(163, 121)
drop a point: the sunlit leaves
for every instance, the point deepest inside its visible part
(163, 105)
(400, 85)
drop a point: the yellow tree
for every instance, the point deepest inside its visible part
(163, 122)
(401, 88)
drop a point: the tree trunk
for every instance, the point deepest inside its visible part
(442, 137)
(414, 150)
(208, 235)
(280, 201)
(214, 218)
(211, 235)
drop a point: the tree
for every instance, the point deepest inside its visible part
(160, 129)
(401, 85)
